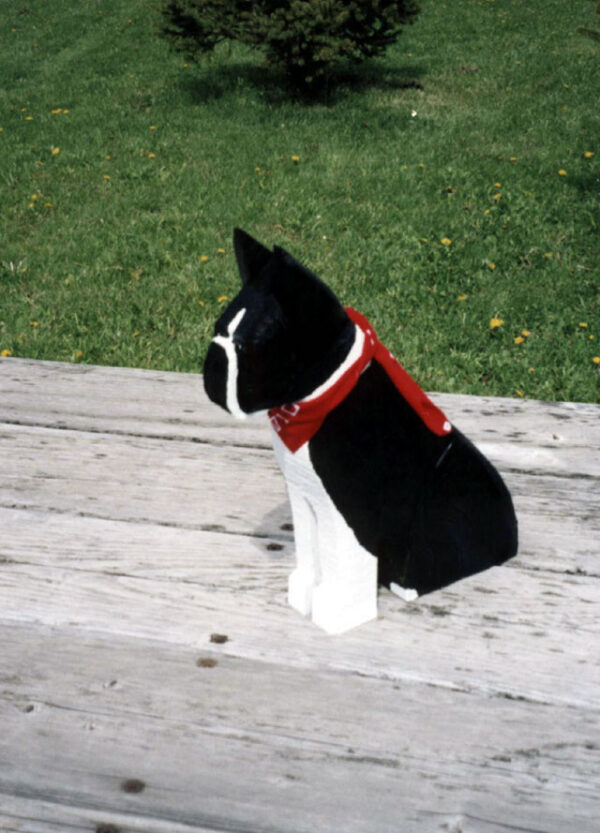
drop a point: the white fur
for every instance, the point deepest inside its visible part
(226, 342)
(335, 580)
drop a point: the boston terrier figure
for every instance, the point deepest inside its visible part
(383, 489)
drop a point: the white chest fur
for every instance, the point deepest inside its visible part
(335, 580)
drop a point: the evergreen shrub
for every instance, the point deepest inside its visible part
(306, 39)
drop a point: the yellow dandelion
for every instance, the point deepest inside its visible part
(562, 172)
(519, 393)
(512, 159)
(548, 255)
(5, 353)
(55, 151)
(295, 159)
(105, 176)
(583, 325)
(588, 154)
(221, 298)
(28, 118)
(151, 156)
(446, 241)
(486, 210)
(152, 127)
(31, 205)
(596, 359)
(497, 185)
(34, 323)
(525, 333)
(48, 205)
(203, 258)
(495, 323)
(491, 266)
(591, 337)
(497, 197)
(108, 157)
(424, 239)
(79, 354)
(201, 303)
(257, 170)
(462, 297)
(56, 111)
(136, 334)
(65, 112)
(519, 340)
(221, 251)
(420, 165)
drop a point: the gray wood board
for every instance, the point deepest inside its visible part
(136, 519)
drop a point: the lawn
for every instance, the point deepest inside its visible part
(450, 191)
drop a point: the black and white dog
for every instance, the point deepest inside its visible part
(383, 489)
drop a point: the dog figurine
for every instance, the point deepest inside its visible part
(383, 489)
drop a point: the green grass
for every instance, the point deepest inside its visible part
(101, 242)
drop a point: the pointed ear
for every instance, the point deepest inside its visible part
(251, 255)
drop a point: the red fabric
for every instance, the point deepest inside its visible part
(296, 423)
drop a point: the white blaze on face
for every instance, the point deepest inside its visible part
(226, 342)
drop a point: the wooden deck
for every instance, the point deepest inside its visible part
(137, 521)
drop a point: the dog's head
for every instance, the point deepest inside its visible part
(281, 336)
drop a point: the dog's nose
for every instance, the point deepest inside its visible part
(215, 375)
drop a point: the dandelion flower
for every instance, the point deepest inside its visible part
(519, 340)
(562, 172)
(446, 241)
(151, 156)
(583, 325)
(203, 258)
(57, 111)
(462, 297)
(28, 118)
(295, 159)
(491, 266)
(513, 159)
(519, 393)
(548, 255)
(152, 127)
(596, 359)
(497, 185)
(105, 176)
(34, 323)
(201, 303)
(221, 251)
(588, 154)
(495, 323)
(79, 354)
(221, 298)
(55, 151)
(486, 210)
(497, 197)
(424, 239)
(525, 333)
(6, 353)
(136, 334)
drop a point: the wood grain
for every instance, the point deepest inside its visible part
(136, 520)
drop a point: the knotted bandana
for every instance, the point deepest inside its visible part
(296, 423)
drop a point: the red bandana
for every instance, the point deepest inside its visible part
(298, 422)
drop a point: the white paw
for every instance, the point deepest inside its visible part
(300, 591)
(406, 593)
(336, 608)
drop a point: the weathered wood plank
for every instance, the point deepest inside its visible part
(520, 634)
(181, 483)
(242, 746)
(173, 405)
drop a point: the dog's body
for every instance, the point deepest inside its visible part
(383, 489)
